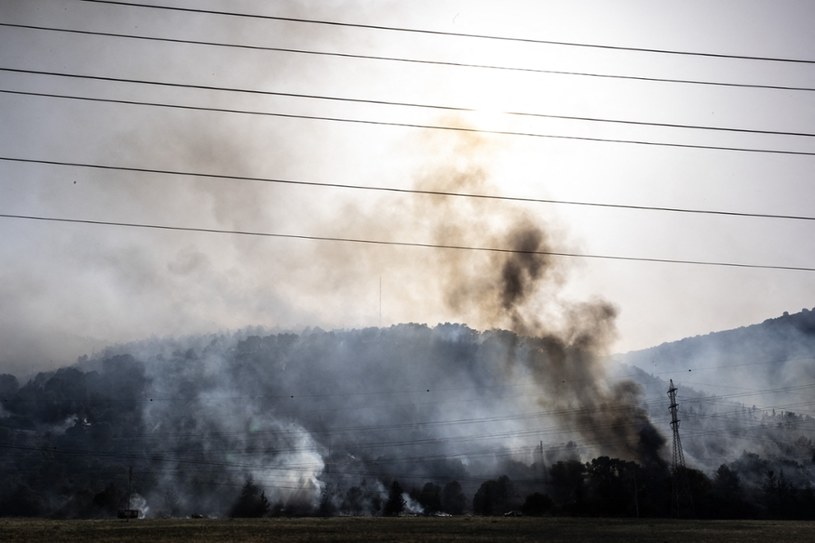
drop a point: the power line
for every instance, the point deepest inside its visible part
(403, 104)
(136, 456)
(411, 125)
(646, 403)
(455, 34)
(178, 457)
(337, 54)
(413, 191)
(376, 444)
(171, 457)
(360, 241)
(550, 432)
(760, 392)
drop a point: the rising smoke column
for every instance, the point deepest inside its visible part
(558, 343)
(521, 290)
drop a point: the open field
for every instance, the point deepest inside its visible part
(422, 529)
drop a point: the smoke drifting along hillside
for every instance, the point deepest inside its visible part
(518, 287)
(313, 415)
(326, 421)
(767, 357)
(310, 417)
(750, 387)
(329, 421)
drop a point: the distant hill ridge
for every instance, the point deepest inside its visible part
(802, 322)
(777, 353)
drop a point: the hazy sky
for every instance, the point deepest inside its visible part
(68, 289)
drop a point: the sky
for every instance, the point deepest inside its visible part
(68, 289)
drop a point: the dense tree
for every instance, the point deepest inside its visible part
(566, 479)
(252, 502)
(453, 500)
(494, 497)
(536, 505)
(8, 387)
(430, 498)
(108, 502)
(728, 496)
(778, 495)
(396, 501)
(611, 486)
(22, 502)
(700, 488)
(363, 499)
(68, 436)
(354, 501)
(327, 507)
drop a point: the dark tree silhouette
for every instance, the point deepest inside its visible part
(453, 500)
(149, 412)
(568, 486)
(536, 505)
(9, 385)
(611, 486)
(327, 508)
(396, 502)
(109, 501)
(23, 502)
(430, 498)
(779, 496)
(494, 497)
(727, 495)
(252, 502)
(353, 502)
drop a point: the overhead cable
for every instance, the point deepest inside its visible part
(402, 104)
(453, 34)
(337, 54)
(371, 122)
(393, 243)
(408, 191)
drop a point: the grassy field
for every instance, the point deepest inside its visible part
(418, 529)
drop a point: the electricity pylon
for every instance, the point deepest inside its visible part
(682, 501)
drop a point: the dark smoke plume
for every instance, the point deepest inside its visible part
(520, 291)
(329, 420)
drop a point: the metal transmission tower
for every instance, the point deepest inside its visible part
(682, 503)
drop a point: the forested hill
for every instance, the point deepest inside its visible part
(774, 359)
(745, 399)
(436, 419)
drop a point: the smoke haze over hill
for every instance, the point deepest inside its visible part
(299, 412)
(774, 359)
(327, 420)
(296, 214)
(335, 119)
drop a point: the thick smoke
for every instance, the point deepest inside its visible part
(327, 420)
(320, 420)
(517, 285)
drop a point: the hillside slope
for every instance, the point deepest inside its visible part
(774, 360)
(743, 392)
